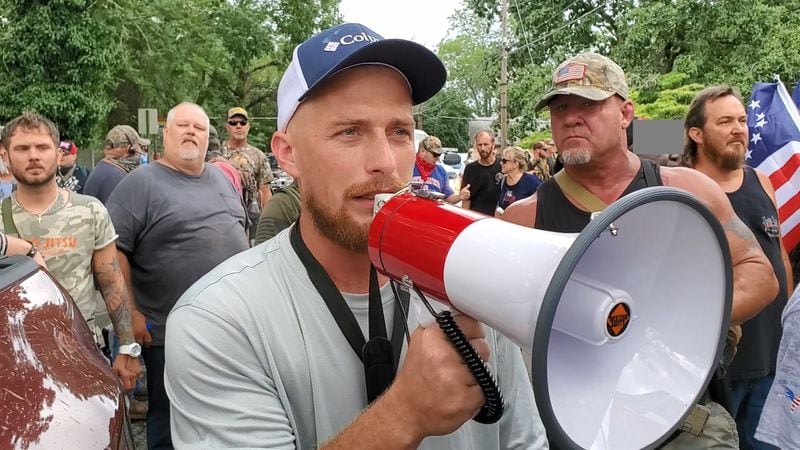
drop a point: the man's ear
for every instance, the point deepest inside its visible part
(284, 153)
(696, 134)
(626, 108)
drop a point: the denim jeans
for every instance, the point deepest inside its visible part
(747, 401)
(158, 434)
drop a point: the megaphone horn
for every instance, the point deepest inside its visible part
(625, 321)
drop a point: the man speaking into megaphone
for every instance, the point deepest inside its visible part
(296, 342)
(589, 112)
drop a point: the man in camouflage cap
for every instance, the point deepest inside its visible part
(588, 75)
(251, 162)
(590, 110)
(123, 153)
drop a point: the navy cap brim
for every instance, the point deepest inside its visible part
(424, 70)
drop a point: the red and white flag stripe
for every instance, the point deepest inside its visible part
(782, 168)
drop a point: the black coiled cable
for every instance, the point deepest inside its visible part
(492, 410)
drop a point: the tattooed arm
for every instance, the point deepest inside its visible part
(754, 282)
(117, 299)
(139, 322)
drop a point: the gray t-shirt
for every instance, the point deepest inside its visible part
(780, 418)
(174, 228)
(255, 360)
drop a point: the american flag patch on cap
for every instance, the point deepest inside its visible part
(570, 72)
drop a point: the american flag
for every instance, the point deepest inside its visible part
(774, 125)
(795, 400)
(574, 71)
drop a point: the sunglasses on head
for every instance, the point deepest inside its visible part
(234, 123)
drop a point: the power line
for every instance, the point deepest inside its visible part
(524, 31)
(527, 45)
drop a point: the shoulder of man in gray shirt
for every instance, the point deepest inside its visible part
(174, 228)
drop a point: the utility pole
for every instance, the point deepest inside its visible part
(504, 74)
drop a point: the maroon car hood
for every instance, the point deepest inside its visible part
(56, 389)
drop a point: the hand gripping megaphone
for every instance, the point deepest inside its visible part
(625, 322)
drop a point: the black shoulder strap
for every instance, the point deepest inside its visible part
(651, 178)
(8, 218)
(379, 355)
(330, 293)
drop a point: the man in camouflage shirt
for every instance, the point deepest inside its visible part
(251, 163)
(73, 232)
(539, 164)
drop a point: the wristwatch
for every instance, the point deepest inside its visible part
(132, 350)
(33, 251)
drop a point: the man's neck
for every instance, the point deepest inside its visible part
(188, 167)
(236, 143)
(488, 161)
(348, 270)
(607, 177)
(728, 180)
(36, 198)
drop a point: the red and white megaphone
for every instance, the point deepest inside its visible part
(625, 321)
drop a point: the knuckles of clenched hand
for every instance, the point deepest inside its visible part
(434, 382)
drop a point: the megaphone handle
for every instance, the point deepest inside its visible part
(492, 410)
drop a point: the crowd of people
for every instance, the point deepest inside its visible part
(269, 345)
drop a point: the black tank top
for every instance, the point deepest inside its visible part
(761, 335)
(554, 212)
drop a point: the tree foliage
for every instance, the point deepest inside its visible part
(90, 65)
(446, 116)
(669, 49)
(58, 58)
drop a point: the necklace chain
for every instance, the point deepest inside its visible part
(46, 210)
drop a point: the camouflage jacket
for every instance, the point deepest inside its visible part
(541, 169)
(253, 169)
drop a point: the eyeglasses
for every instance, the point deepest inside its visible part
(503, 160)
(234, 123)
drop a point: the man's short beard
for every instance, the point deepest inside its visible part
(576, 156)
(189, 153)
(339, 226)
(23, 179)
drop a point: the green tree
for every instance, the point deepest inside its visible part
(59, 58)
(215, 53)
(670, 101)
(446, 116)
(544, 31)
(471, 58)
(741, 42)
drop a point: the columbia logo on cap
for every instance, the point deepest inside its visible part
(350, 39)
(348, 45)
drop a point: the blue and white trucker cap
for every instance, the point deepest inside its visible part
(351, 44)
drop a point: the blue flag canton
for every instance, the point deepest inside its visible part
(769, 123)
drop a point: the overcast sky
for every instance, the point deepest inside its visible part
(423, 21)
